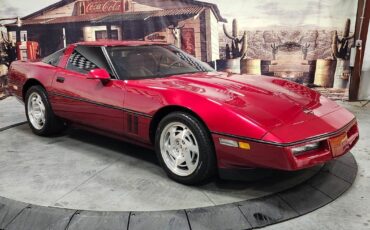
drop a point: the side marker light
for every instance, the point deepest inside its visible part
(244, 145)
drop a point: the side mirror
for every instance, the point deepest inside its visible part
(99, 74)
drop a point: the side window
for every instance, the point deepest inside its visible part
(86, 58)
(78, 63)
(54, 58)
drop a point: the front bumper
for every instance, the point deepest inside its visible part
(279, 155)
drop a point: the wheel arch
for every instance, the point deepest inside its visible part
(29, 83)
(161, 113)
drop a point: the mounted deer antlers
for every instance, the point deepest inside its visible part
(176, 32)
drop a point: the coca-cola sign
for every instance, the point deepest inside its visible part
(103, 6)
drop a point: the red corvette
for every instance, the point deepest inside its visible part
(198, 120)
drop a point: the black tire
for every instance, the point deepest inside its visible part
(53, 125)
(207, 159)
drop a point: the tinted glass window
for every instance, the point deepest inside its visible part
(87, 58)
(153, 61)
(54, 58)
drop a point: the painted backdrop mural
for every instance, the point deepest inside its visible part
(306, 41)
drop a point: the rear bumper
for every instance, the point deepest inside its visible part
(279, 155)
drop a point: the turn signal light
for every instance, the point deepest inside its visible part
(244, 145)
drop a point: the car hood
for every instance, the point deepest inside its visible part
(267, 101)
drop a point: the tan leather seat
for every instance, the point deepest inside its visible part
(140, 65)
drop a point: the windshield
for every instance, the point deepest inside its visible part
(153, 61)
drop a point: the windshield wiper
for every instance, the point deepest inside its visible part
(191, 72)
(176, 74)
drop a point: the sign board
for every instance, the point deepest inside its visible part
(103, 6)
(157, 37)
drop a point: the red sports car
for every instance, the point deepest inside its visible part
(199, 121)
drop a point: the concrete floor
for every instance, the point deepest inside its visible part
(11, 112)
(89, 167)
(80, 170)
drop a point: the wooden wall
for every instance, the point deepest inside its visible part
(212, 36)
(63, 11)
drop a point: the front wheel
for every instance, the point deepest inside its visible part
(184, 149)
(39, 114)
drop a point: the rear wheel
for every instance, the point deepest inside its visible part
(39, 114)
(185, 149)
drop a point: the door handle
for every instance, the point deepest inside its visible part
(60, 79)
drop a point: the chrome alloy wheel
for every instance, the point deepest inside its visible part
(179, 149)
(36, 111)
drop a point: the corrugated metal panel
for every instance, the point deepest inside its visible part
(60, 20)
(36, 21)
(128, 16)
(176, 12)
(144, 15)
(82, 18)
